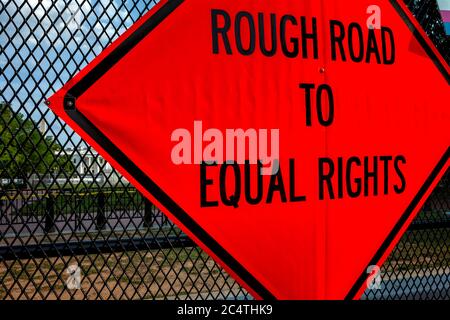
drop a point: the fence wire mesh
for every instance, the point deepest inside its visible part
(72, 227)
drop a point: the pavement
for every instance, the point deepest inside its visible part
(413, 285)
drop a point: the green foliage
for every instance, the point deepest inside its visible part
(24, 150)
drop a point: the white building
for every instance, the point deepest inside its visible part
(90, 167)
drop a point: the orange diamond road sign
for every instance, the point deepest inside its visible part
(294, 141)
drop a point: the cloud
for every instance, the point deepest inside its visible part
(58, 34)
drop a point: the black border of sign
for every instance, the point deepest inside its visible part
(69, 105)
(129, 43)
(442, 162)
(429, 51)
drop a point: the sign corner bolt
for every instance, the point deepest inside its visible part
(69, 102)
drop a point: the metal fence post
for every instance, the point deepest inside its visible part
(100, 220)
(50, 214)
(148, 216)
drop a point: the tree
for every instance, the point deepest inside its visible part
(24, 150)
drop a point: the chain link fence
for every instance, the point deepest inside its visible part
(71, 227)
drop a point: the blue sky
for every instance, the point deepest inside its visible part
(44, 43)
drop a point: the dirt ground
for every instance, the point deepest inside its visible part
(180, 273)
(185, 273)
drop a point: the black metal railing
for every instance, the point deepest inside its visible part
(64, 210)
